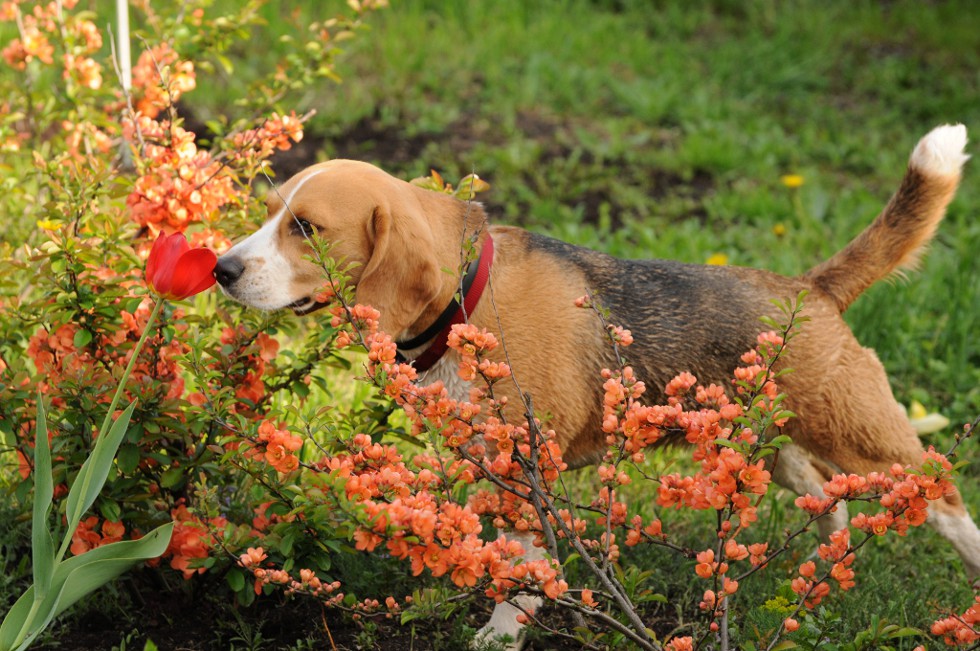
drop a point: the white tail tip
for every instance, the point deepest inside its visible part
(940, 152)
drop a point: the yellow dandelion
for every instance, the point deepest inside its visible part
(779, 229)
(792, 180)
(717, 259)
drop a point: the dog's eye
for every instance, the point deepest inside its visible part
(303, 226)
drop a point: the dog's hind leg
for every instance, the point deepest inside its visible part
(949, 517)
(856, 425)
(796, 470)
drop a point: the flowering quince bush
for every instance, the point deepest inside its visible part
(99, 187)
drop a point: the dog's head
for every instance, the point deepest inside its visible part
(375, 223)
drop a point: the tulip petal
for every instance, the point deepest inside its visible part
(167, 249)
(193, 272)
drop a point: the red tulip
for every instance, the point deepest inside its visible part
(177, 271)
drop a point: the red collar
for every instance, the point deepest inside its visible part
(474, 283)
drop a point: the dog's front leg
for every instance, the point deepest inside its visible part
(503, 625)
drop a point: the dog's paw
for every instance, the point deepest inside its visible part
(940, 152)
(490, 639)
(504, 631)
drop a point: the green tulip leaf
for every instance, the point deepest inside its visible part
(94, 471)
(73, 579)
(42, 546)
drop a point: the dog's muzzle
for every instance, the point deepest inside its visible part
(228, 271)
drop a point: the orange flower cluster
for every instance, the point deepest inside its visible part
(255, 351)
(620, 335)
(84, 138)
(276, 133)
(407, 509)
(308, 582)
(160, 77)
(61, 362)
(729, 477)
(960, 630)
(87, 537)
(626, 418)
(32, 43)
(178, 184)
(52, 20)
(685, 643)
(905, 494)
(277, 447)
(838, 552)
(472, 344)
(262, 521)
(250, 354)
(55, 356)
(192, 541)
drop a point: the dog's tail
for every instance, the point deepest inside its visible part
(895, 239)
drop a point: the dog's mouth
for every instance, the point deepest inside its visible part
(305, 305)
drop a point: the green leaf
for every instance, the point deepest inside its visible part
(785, 644)
(128, 458)
(901, 632)
(110, 510)
(411, 615)
(42, 546)
(82, 338)
(225, 63)
(286, 544)
(94, 471)
(171, 477)
(75, 578)
(235, 579)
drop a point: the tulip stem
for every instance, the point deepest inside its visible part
(107, 422)
(129, 367)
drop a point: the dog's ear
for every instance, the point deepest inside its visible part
(401, 277)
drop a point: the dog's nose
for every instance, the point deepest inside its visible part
(228, 270)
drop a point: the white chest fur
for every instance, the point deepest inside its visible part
(447, 370)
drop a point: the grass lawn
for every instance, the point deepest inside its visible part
(663, 129)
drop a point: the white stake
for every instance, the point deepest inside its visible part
(122, 38)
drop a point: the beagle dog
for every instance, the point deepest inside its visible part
(683, 317)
